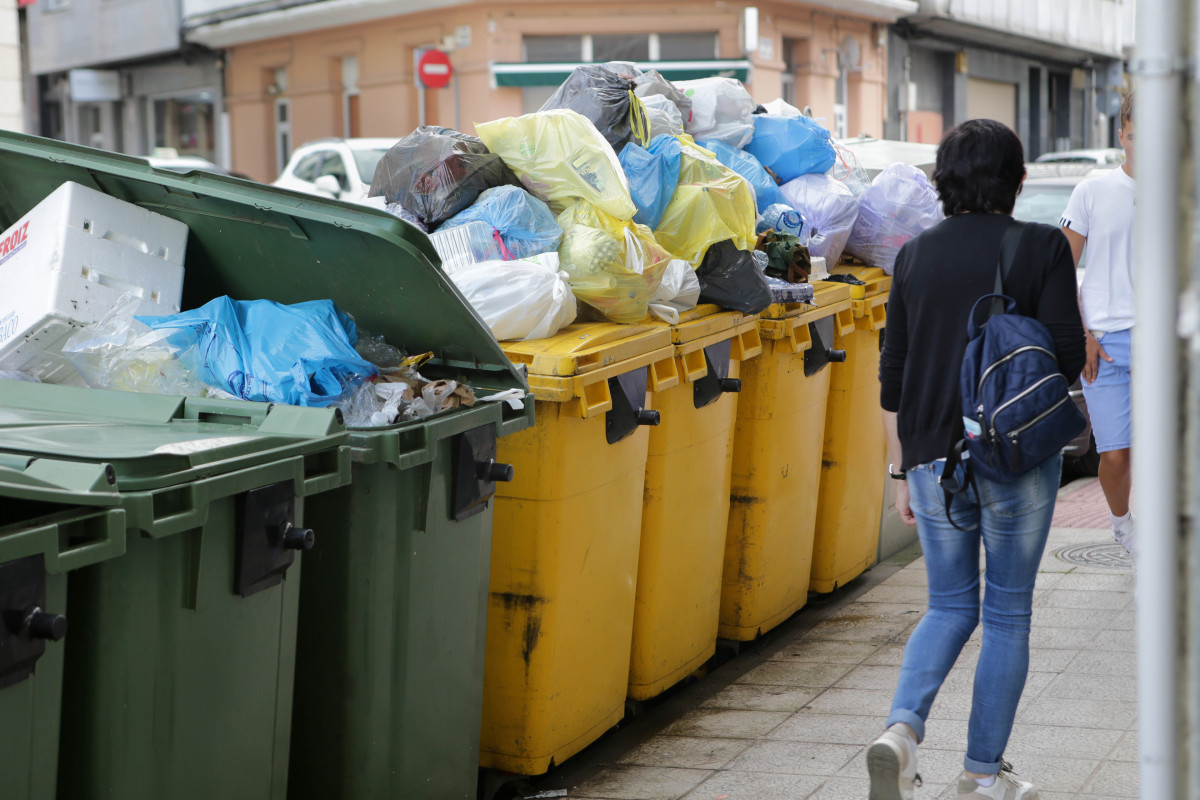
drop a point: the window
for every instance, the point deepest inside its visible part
(788, 78)
(367, 162)
(283, 134)
(51, 6)
(687, 46)
(568, 49)
(185, 124)
(335, 166)
(350, 105)
(306, 169)
(621, 47)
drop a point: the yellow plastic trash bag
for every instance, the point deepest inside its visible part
(712, 203)
(560, 157)
(615, 266)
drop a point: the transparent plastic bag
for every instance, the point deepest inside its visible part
(766, 190)
(847, 170)
(899, 204)
(437, 172)
(711, 203)
(376, 350)
(518, 299)
(460, 246)
(653, 174)
(783, 218)
(662, 116)
(607, 99)
(615, 266)
(651, 83)
(560, 157)
(831, 210)
(523, 225)
(791, 146)
(721, 109)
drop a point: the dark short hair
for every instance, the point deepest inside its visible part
(979, 168)
(1127, 110)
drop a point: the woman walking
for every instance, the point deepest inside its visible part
(939, 276)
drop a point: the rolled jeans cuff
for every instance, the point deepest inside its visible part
(982, 767)
(910, 719)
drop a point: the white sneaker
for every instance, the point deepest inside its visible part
(1006, 787)
(892, 765)
(1124, 536)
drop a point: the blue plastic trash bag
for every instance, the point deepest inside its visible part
(653, 173)
(782, 218)
(791, 146)
(525, 224)
(766, 190)
(260, 350)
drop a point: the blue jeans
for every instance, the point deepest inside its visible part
(1013, 521)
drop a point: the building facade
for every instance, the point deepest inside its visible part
(11, 91)
(296, 72)
(117, 75)
(1051, 71)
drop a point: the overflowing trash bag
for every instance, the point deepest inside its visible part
(679, 291)
(559, 156)
(662, 116)
(791, 146)
(830, 208)
(781, 108)
(615, 266)
(521, 224)
(518, 299)
(653, 173)
(730, 277)
(651, 83)
(783, 218)
(608, 100)
(301, 354)
(899, 204)
(722, 109)
(437, 172)
(710, 204)
(766, 190)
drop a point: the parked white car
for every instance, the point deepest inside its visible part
(339, 168)
(1105, 156)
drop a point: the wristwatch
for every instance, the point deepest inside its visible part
(897, 476)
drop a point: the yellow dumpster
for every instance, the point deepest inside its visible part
(854, 456)
(565, 543)
(777, 448)
(686, 506)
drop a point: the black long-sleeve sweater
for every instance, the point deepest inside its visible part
(938, 277)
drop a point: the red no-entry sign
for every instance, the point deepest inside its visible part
(434, 70)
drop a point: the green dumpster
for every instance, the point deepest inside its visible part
(389, 673)
(55, 517)
(178, 672)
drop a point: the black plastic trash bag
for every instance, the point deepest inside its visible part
(437, 172)
(730, 278)
(608, 100)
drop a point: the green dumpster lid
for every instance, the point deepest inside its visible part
(148, 441)
(252, 241)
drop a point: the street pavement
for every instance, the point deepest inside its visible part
(790, 716)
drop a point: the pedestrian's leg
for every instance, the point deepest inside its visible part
(1115, 480)
(1015, 518)
(1110, 406)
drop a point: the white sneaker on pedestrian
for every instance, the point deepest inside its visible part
(1123, 534)
(1006, 787)
(892, 765)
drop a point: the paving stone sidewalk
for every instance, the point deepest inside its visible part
(790, 717)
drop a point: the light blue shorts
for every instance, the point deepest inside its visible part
(1109, 402)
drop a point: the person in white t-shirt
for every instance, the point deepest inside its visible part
(1100, 217)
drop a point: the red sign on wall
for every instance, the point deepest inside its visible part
(23, 3)
(434, 70)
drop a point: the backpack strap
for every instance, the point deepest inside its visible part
(1004, 262)
(949, 482)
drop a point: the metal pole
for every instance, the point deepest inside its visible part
(1157, 402)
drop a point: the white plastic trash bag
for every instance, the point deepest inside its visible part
(722, 109)
(899, 204)
(518, 299)
(830, 208)
(782, 108)
(679, 291)
(663, 116)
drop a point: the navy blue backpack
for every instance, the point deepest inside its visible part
(1017, 409)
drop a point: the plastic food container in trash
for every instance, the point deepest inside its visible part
(567, 532)
(777, 448)
(389, 673)
(854, 456)
(198, 617)
(686, 506)
(56, 517)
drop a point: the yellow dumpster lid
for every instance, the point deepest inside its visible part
(875, 279)
(707, 321)
(828, 297)
(584, 347)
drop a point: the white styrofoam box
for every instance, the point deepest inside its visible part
(66, 262)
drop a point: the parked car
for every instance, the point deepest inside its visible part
(339, 168)
(1043, 198)
(1112, 156)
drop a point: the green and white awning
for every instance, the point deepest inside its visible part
(552, 74)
